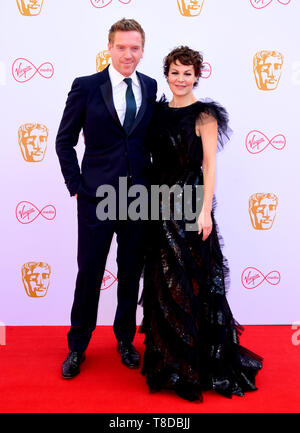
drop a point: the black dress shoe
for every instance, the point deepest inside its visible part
(129, 355)
(71, 365)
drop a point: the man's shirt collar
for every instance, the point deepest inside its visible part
(116, 78)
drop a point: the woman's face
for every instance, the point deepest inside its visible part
(181, 79)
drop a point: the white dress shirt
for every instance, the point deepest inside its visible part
(119, 88)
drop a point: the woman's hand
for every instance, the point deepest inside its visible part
(204, 224)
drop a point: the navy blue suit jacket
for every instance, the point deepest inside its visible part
(109, 151)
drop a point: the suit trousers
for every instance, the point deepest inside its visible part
(94, 240)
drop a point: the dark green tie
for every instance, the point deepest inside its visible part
(130, 106)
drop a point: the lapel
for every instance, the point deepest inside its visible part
(106, 90)
(143, 106)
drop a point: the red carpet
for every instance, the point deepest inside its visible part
(30, 378)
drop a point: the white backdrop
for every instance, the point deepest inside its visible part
(40, 57)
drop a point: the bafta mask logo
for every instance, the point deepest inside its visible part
(102, 60)
(262, 210)
(108, 280)
(252, 278)
(36, 278)
(30, 8)
(104, 3)
(261, 4)
(32, 139)
(257, 141)
(27, 212)
(190, 8)
(23, 70)
(267, 66)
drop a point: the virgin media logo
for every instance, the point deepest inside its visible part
(23, 70)
(260, 4)
(27, 212)
(108, 280)
(104, 3)
(252, 278)
(206, 70)
(257, 141)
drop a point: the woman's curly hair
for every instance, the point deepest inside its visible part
(186, 56)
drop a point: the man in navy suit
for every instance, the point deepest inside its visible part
(114, 109)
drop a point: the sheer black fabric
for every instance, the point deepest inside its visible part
(191, 337)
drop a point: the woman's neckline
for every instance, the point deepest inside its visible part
(184, 106)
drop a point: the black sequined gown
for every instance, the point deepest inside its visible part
(191, 337)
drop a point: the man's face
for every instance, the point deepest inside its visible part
(36, 281)
(268, 72)
(190, 8)
(30, 7)
(126, 51)
(102, 60)
(33, 143)
(263, 213)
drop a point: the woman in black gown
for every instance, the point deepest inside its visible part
(191, 337)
